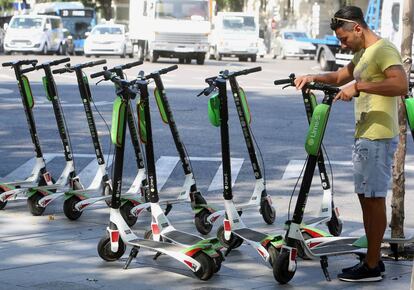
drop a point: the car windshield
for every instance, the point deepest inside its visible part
(77, 26)
(26, 23)
(106, 30)
(239, 23)
(293, 35)
(184, 10)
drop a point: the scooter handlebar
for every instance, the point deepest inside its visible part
(131, 64)
(283, 82)
(59, 61)
(322, 87)
(122, 67)
(247, 71)
(167, 69)
(20, 62)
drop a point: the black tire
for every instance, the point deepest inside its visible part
(301, 58)
(268, 212)
(2, 203)
(153, 57)
(200, 59)
(280, 268)
(206, 270)
(87, 55)
(273, 252)
(324, 63)
(201, 223)
(128, 217)
(69, 208)
(312, 58)
(218, 261)
(253, 58)
(234, 241)
(243, 58)
(181, 60)
(104, 249)
(301, 252)
(187, 60)
(33, 204)
(334, 226)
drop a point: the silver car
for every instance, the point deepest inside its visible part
(293, 43)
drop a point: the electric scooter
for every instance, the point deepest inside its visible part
(259, 198)
(189, 190)
(285, 265)
(76, 201)
(40, 197)
(39, 175)
(234, 232)
(201, 258)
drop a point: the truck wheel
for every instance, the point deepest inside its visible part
(188, 60)
(200, 59)
(253, 58)
(153, 57)
(324, 63)
(242, 58)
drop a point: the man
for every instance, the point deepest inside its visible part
(379, 78)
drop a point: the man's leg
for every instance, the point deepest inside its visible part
(375, 213)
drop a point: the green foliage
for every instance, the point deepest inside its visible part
(230, 5)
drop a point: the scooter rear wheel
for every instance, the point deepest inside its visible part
(105, 252)
(207, 268)
(33, 204)
(268, 212)
(125, 210)
(281, 268)
(201, 223)
(234, 241)
(69, 208)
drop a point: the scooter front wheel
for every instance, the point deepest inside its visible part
(207, 268)
(273, 252)
(33, 204)
(268, 212)
(234, 241)
(69, 208)
(201, 223)
(105, 252)
(125, 210)
(281, 268)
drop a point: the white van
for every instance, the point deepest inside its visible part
(34, 33)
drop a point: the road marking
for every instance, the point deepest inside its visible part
(3, 76)
(294, 167)
(5, 91)
(164, 165)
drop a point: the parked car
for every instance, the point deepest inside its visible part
(108, 39)
(34, 33)
(293, 43)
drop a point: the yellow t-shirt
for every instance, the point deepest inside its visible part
(376, 116)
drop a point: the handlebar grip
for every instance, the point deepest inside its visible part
(29, 69)
(7, 64)
(167, 69)
(98, 74)
(247, 71)
(60, 70)
(322, 87)
(20, 62)
(132, 64)
(282, 82)
(94, 63)
(59, 61)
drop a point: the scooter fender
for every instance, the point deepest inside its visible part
(227, 229)
(114, 238)
(292, 257)
(7, 195)
(215, 215)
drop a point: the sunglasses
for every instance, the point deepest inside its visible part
(337, 22)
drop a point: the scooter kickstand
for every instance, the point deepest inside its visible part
(133, 254)
(228, 251)
(168, 209)
(157, 255)
(324, 265)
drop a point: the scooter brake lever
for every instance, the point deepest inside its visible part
(284, 87)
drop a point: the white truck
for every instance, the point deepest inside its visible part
(235, 34)
(170, 28)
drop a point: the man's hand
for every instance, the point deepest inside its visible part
(301, 81)
(347, 93)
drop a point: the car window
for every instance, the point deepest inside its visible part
(55, 23)
(26, 23)
(106, 30)
(239, 23)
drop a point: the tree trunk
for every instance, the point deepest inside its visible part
(398, 189)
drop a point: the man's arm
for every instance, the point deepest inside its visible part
(394, 84)
(337, 78)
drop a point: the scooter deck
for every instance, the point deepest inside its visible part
(337, 250)
(182, 237)
(316, 220)
(250, 234)
(156, 246)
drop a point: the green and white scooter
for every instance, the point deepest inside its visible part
(76, 201)
(202, 258)
(39, 176)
